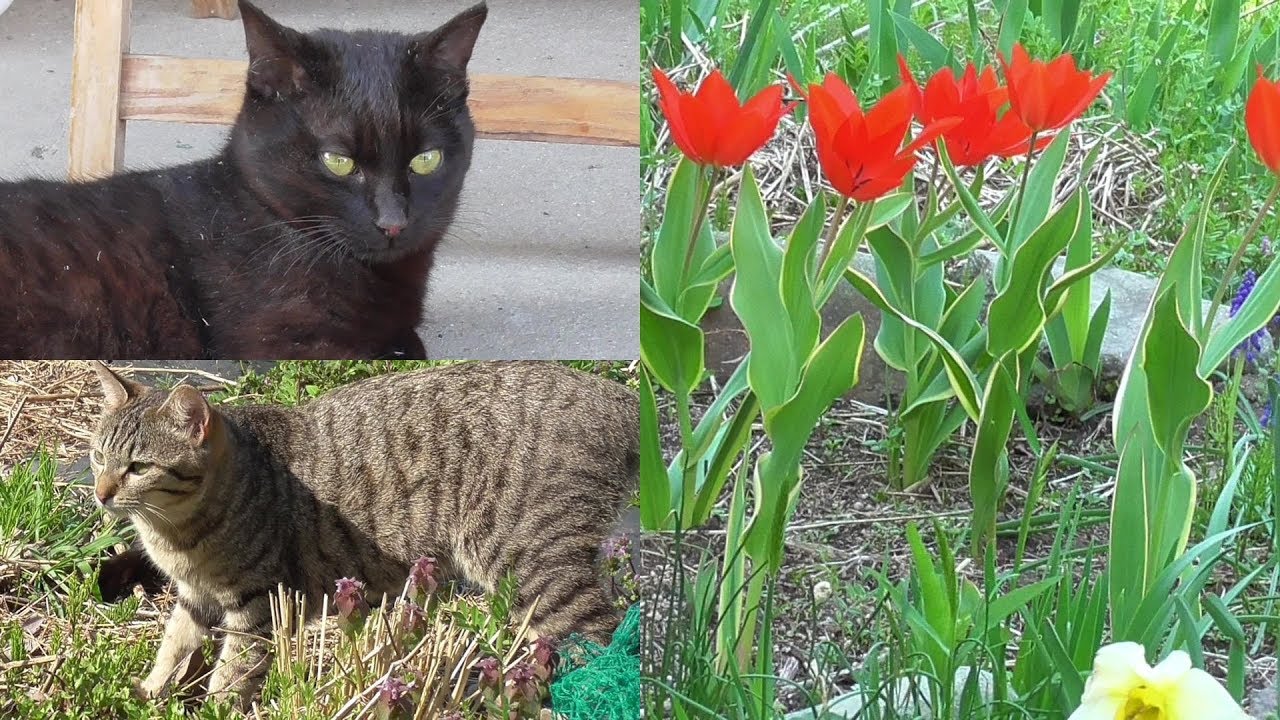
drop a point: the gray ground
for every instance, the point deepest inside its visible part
(544, 263)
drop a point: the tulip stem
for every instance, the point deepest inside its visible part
(832, 231)
(1234, 263)
(704, 189)
(1022, 189)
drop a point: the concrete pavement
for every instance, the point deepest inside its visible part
(544, 259)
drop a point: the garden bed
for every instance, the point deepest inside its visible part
(849, 525)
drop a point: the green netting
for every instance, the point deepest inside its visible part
(601, 683)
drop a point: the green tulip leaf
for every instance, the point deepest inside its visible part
(655, 494)
(988, 466)
(671, 247)
(1254, 314)
(670, 347)
(961, 377)
(1017, 314)
(756, 297)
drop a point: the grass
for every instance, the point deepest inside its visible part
(64, 653)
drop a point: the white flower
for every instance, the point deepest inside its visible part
(1124, 687)
(821, 592)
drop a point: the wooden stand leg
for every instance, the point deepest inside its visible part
(97, 132)
(225, 9)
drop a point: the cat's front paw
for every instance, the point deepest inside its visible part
(149, 689)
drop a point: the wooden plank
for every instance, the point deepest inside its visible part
(97, 130)
(511, 107)
(225, 9)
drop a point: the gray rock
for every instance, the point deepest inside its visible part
(1262, 701)
(911, 698)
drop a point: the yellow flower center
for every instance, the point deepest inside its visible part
(1143, 703)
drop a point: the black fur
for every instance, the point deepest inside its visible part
(260, 251)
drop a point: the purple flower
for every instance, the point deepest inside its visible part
(522, 684)
(393, 698)
(414, 619)
(1265, 420)
(392, 689)
(1253, 345)
(544, 657)
(422, 576)
(617, 548)
(1246, 287)
(490, 673)
(349, 597)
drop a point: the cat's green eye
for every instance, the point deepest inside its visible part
(426, 163)
(137, 468)
(95, 457)
(339, 165)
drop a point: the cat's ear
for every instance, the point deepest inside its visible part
(276, 63)
(116, 391)
(449, 46)
(187, 406)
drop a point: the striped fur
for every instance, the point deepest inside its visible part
(489, 467)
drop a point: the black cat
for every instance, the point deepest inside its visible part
(310, 236)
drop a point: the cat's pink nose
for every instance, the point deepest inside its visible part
(104, 494)
(391, 230)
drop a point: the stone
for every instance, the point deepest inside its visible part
(1262, 701)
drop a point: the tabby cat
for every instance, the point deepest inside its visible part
(310, 235)
(492, 468)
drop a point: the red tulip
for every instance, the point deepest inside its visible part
(1262, 120)
(1048, 96)
(711, 127)
(862, 155)
(977, 100)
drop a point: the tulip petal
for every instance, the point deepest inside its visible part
(752, 128)
(1009, 137)
(1197, 695)
(718, 100)
(841, 93)
(883, 179)
(830, 104)
(836, 165)
(941, 96)
(889, 119)
(930, 133)
(702, 134)
(669, 101)
(1262, 121)
(917, 96)
(1078, 99)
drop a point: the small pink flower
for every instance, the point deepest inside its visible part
(522, 684)
(393, 699)
(544, 657)
(414, 619)
(422, 576)
(617, 548)
(490, 673)
(349, 597)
